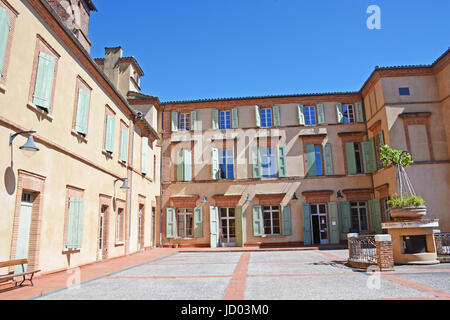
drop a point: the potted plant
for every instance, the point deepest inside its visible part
(405, 204)
(176, 244)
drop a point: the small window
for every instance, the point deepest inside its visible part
(349, 113)
(271, 220)
(358, 158)
(226, 163)
(359, 216)
(319, 163)
(268, 163)
(403, 91)
(185, 222)
(225, 120)
(184, 122)
(266, 118)
(310, 115)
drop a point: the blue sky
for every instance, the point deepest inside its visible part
(201, 49)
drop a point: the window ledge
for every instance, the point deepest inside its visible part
(31, 106)
(119, 244)
(70, 251)
(107, 154)
(124, 164)
(79, 136)
(272, 236)
(2, 88)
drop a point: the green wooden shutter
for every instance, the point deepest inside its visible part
(198, 222)
(193, 120)
(180, 165)
(276, 116)
(311, 160)
(79, 222)
(256, 161)
(306, 213)
(4, 31)
(369, 155)
(320, 113)
(174, 121)
(350, 157)
(109, 139)
(340, 115)
(71, 228)
(44, 81)
(301, 115)
(257, 221)
(81, 121)
(213, 226)
(239, 235)
(359, 112)
(170, 223)
(375, 216)
(334, 222)
(257, 116)
(187, 159)
(234, 118)
(144, 158)
(345, 216)
(282, 169)
(381, 141)
(215, 163)
(215, 119)
(286, 219)
(124, 145)
(328, 157)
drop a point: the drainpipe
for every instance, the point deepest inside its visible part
(161, 177)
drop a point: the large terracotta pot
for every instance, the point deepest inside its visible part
(409, 212)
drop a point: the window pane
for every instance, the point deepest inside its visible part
(318, 152)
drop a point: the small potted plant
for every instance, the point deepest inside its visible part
(176, 244)
(405, 204)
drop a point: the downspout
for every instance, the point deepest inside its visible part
(161, 177)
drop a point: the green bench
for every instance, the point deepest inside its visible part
(23, 274)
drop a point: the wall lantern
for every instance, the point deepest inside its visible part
(339, 195)
(205, 199)
(29, 146)
(124, 185)
(248, 198)
(295, 196)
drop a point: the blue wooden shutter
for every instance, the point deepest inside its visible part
(187, 159)
(345, 216)
(124, 145)
(174, 121)
(193, 120)
(198, 222)
(215, 163)
(239, 241)
(311, 160)
(359, 112)
(234, 118)
(375, 216)
(339, 113)
(215, 119)
(334, 222)
(44, 81)
(256, 161)
(170, 223)
(328, 156)
(276, 116)
(320, 113)
(144, 159)
(286, 219)
(4, 31)
(109, 139)
(257, 116)
(257, 221)
(301, 115)
(282, 170)
(350, 157)
(306, 213)
(81, 121)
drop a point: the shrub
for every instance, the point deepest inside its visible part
(408, 201)
(396, 157)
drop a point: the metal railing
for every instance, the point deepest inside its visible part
(442, 243)
(363, 249)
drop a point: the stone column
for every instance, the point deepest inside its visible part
(385, 255)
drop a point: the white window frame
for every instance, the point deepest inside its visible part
(184, 122)
(310, 110)
(119, 220)
(227, 114)
(183, 213)
(358, 155)
(271, 210)
(264, 122)
(358, 206)
(350, 114)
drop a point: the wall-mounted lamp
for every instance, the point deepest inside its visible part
(248, 198)
(205, 199)
(124, 185)
(339, 195)
(29, 146)
(295, 196)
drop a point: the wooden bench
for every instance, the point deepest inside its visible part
(23, 274)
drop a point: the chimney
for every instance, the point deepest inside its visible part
(75, 14)
(111, 65)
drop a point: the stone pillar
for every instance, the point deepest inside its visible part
(349, 236)
(385, 255)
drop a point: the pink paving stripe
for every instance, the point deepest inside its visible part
(169, 277)
(417, 286)
(188, 264)
(236, 288)
(290, 261)
(304, 275)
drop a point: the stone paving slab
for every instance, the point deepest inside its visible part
(179, 270)
(286, 255)
(325, 267)
(439, 281)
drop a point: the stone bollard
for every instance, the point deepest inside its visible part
(385, 255)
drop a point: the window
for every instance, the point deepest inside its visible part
(110, 123)
(268, 163)
(349, 113)
(358, 212)
(184, 122)
(82, 102)
(403, 91)
(314, 160)
(7, 22)
(319, 163)
(310, 115)
(119, 225)
(74, 223)
(123, 143)
(184, 165)
(226, 164)
(271, 216)
(184, 223)
(358, 158)
(225, 120)
(266, 118)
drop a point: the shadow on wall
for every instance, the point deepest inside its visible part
(10, 180)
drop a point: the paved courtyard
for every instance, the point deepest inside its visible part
(261, 275)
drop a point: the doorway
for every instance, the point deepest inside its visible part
(319, 223)
(23, 237)
(101, 235)
(228, 227)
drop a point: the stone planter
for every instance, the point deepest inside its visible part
(408, 213)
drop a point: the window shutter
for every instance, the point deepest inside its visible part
(81, 121)
(381, 141)
(124, 146)
(214, 226)
(311, 160)
(282, 170)
(375, 216)
(257, 220)
(79, 222)
(286, 219)
(369, 155)
(238, 230)
(180, 165)
(350, 156)
(340, 115)
(301, 115)
(258, 116)
(234, 118)
(4, 31)
(144, 155)
(276, 116)
(174, 121)
(109, 140)
(256, 160)
(187, 159)
(44, 81)
(334, 222)
(359, 112)
(215, 163)
(71, 225)
(198, 222)
(345, 216)
(193, 120)
(306, 212)
(215, 119)
(328, 156)
(320, 113)
(170, 223)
